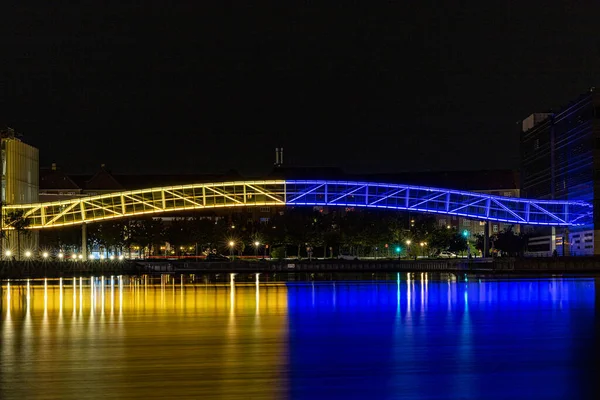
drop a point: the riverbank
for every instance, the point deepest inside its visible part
(508, 266)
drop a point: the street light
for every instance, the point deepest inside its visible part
(408, 242)
(28, 254)
(8, 253)
(60, 255)
(231, 244)
(256, 244)
(45, 254)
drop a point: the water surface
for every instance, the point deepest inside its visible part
(409, 338)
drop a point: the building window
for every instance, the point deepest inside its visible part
(495, 228)
(265, 209)
(442, 222)
(507, 194)
(466, 222)
(264, 220)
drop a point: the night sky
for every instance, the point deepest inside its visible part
(199, 88)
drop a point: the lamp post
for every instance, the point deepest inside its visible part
(231, 245)
(256, 244)
(423, 244)
(408, 242)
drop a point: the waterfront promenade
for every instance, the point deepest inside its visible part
(51, 269)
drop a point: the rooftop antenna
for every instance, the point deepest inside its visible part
(278, 156)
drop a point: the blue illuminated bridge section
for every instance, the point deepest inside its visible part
(199, 196)
(439, 201)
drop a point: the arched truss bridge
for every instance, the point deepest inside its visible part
(307, 192)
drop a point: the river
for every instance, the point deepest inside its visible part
(417, 336)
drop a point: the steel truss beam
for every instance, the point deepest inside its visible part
(310, 192)
(439, 201)
(152, 201)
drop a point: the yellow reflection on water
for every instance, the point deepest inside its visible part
(169, 339)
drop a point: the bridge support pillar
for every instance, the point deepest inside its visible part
(84, 241)
(566, 243)
(486, 239)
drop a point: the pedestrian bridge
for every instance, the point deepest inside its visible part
(303, 193)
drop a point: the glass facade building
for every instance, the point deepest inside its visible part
(560, 160)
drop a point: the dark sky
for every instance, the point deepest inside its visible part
(149, 87)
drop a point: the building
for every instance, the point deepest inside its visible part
(560, 160)
(20, 180)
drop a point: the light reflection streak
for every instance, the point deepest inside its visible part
(102, 294)
(162, 290)
(398, 294)
(112, 294)
(28, 298)
(92, 295)
(408, 297)
(422, 295)
(426, 289)
(8, 305)
(334, 296)
(74, 295)
(80, 295)
(181, 298)
(45, 297)
(257, 294)
(232, 294)
(120, 294)
(60, 290)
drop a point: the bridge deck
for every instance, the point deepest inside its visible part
(308, 192)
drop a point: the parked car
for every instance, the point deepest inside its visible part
(446, 254)
(346, 256)
(217, 258)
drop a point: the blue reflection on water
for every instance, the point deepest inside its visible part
(440, 339)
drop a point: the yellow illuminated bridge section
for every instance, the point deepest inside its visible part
(304, 193)
(152, 201)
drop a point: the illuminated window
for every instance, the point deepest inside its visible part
(495, 228)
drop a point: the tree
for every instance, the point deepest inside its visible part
(16, 219)
(457, 242)
(510, 242)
